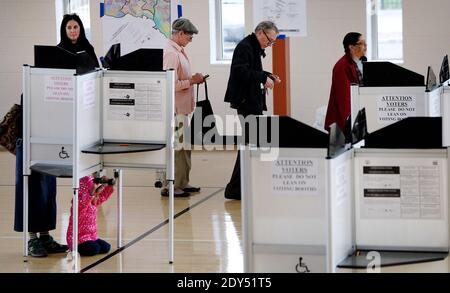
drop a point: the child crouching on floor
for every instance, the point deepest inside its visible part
(90, 196)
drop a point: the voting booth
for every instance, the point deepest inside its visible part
(446, 114)
(296, 202)
(305, 210)
(391, 93)
(401, 195)
(77, 124)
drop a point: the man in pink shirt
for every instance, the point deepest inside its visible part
(175, 58)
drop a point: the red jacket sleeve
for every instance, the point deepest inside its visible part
(104, 195)
(341, 83)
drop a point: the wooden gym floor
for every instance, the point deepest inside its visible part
(207, 227)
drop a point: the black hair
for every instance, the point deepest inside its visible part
(82, 40)
(350, 39)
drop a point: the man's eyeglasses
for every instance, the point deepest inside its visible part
(364, 44)
(270, 41)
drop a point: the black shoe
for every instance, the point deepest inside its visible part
(191, 189)
(36, 249)
(165, 192)
(232, 194)
(52, 246)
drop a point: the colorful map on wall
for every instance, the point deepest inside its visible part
(136, 24)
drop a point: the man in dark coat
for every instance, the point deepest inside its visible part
(347, 71)
(247, 85)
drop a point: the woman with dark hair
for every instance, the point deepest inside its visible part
(42, 188)
(347, 71)
(73, 37)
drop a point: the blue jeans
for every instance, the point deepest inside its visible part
(41, 198)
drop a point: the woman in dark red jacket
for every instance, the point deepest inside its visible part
(347, 71)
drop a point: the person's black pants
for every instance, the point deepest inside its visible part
(90, 248)
(233, 188)
(41, 198)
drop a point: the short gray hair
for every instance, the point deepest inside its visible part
(184, 25)
(266, 25)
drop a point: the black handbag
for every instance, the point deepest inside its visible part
(198, 129)
(10, 128)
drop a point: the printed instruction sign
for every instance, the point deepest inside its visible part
(393, 108)
(342, 175)
(403, 191)
(295, 176)
(135, 101)
(89, 94)
(59, 88)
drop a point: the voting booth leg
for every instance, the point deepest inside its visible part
(25, 218)
(170, 173)
(245, 211)
(75, 256)
(118, 176)
(171, 228)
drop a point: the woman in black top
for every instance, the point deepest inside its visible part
(73, 37)
(42, 188)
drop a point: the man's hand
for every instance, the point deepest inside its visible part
(197, 78)
(275, 78)
(269, 83)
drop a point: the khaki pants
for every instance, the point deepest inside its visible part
(182, 154)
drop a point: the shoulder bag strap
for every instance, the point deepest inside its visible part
(206, 90)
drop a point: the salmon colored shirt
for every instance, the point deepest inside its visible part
(175, 58)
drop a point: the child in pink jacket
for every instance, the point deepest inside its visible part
(90, 196)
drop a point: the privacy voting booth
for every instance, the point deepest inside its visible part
(391, 93)
(401, 194)
(446, 114)
(444, 79)
(77, 124)
(296, 203)
(307, 210)
(401, 174)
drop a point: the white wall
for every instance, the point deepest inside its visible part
(198, 51)
(313, 57)
(426, 30)
(426, 40)
(23, 23)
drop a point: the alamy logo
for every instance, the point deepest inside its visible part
(374, 265)
(253, 131)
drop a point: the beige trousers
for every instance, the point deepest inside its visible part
(182, 154)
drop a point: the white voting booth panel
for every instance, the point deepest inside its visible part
(401, 200)
(46, 101)
(144, 121)
(62, 115)
(297, 211)
(387, 105)
(446, 116)
(87, 130)
(68, 117)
